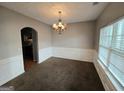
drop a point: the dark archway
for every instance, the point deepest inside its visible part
(29, 39)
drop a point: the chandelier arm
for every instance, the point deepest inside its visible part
(59, 27)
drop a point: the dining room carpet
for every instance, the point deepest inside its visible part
(58, 74)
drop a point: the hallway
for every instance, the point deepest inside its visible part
(29, 63)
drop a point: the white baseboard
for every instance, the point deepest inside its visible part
(44, 54)
(74, 53)
(11, 68)
(68, 53)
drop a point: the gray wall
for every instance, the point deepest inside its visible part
(77, 35)
(10, 36)
(111, 13)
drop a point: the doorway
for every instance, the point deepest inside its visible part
(29, 47)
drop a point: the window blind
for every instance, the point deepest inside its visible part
(111, 49)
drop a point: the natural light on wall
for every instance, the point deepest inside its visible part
(111, 49)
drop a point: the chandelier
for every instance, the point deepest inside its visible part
(60, 26)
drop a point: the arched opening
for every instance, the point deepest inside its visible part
(29, 47)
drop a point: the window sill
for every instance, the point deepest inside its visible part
(109, 81)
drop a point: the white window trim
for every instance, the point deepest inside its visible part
(110, 76)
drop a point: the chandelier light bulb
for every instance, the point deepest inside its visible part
(59, 26)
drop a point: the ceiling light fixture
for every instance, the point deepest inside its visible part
(95, 3)
(60, 26)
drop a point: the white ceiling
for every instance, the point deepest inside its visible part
(48, 12)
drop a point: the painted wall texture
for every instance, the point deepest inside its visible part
(77, 35)
(11, 24)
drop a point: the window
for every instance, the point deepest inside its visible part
(111, 49)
